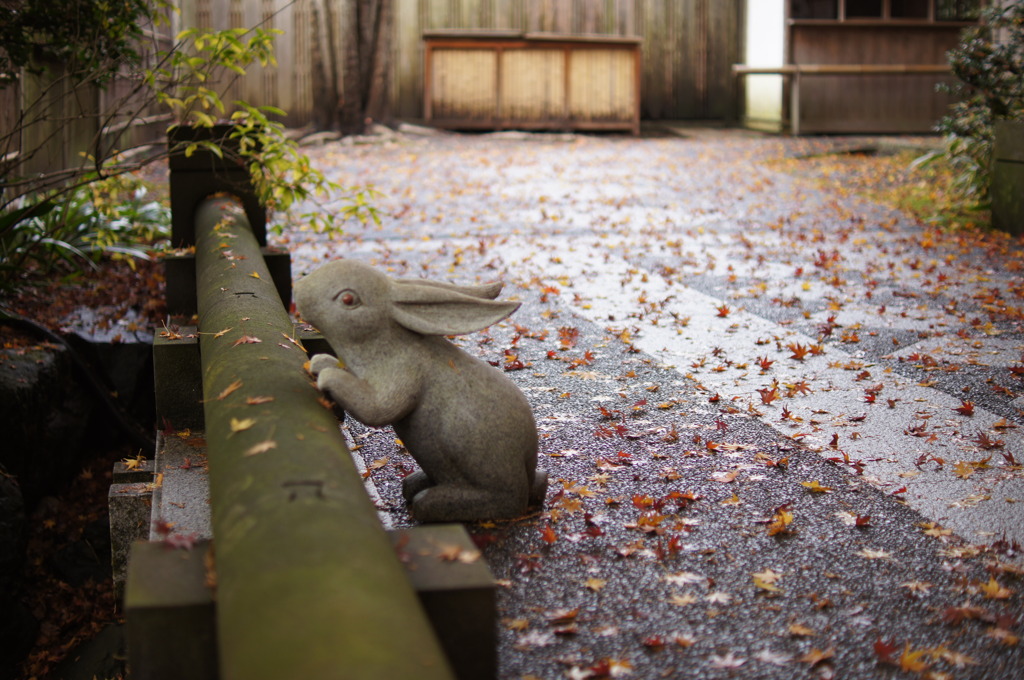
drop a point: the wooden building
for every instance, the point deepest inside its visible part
(849, 66)
(799, 66)
(687, 48)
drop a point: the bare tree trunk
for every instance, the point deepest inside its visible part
(326, 67)
(367, 49)
(377, 89)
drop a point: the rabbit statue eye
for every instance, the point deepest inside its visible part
(348, 298)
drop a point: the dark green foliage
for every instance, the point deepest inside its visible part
(113, 217)
(89, 35)
(989, 64)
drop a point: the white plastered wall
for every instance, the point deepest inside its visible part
(765, 36)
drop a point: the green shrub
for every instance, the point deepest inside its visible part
(113, 217)
(989, 65)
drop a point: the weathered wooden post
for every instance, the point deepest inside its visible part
(308, 585)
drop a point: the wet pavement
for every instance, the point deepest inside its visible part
(781, 422)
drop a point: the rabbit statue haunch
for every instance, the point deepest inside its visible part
(467, 425)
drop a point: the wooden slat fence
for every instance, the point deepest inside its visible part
(10, 102)
(50, 123)
(688, 45)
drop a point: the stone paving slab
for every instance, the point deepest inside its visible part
(182, 496)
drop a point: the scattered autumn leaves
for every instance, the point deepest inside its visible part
(846, 278)
(666, 523)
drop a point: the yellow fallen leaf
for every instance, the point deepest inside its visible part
(133, 463)
(595, 584)
(516, 624)
(912, 661)
(560, 617)
(262, 447)
(684, 577)
(780, 522)
(294, 341)
(239, 425)
(681, 600)
(800, 630)
(963, 469)
(455, 553)
(955, 658)
(916, 586)
(766, 580)
(684, 640)
(375, 465)
(816, 487)
(229, 389)
(246, 340)
(766, 585)
(1002, 635)
(933, 529)
(725, 477)
(993, 591)
(719, 597)
(469, 556)
(816, 656)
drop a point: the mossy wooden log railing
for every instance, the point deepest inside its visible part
(308, 584)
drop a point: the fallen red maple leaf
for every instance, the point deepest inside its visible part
(966, 408)
(799, 351)
(548, 534)
(885, 650)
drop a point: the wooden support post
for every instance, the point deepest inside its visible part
(794, 104)
(171, 626)
(129, 501)
(202, 174)
(178, 379)
(456, 590)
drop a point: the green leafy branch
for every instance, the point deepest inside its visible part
(189, 80)
(284, 177)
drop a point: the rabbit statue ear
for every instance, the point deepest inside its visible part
(487, 291)
(440, 309)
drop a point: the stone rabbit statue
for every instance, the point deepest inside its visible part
(467, 425)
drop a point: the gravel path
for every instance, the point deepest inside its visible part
(780, 422)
